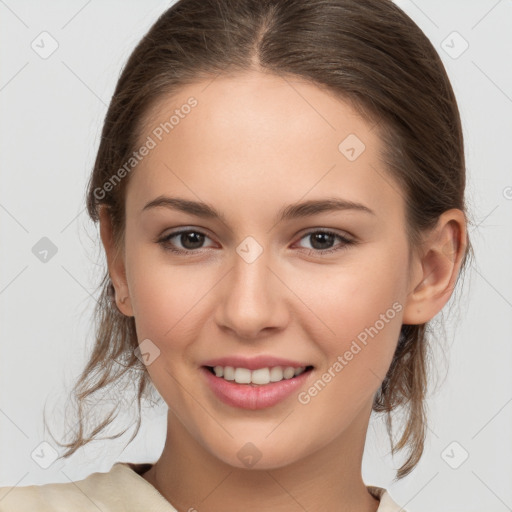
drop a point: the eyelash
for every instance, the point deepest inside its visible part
(316, 252)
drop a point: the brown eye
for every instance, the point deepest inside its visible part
(189, 239)
(321, 242)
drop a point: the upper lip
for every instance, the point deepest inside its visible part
(253, 363)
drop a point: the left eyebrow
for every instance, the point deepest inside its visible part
(315, 206)
(292, 211)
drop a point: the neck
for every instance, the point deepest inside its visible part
(329, 480)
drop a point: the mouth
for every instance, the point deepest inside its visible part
(235, 386)
(257, 378)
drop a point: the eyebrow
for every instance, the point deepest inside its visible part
(292, 211)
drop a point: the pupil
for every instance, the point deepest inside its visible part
(321, 237)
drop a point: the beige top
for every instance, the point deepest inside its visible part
(122, 489)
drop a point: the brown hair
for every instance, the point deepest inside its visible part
(370, 54)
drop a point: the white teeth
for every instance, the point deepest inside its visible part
(276, 374)
(289, 372)
(242, 375)
(261, 376)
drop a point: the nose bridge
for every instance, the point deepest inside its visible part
(250, 278)
(250, 300)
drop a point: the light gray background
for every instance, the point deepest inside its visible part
(52, 110)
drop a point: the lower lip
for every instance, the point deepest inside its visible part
(247, 396)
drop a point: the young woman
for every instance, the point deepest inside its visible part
(280, 193)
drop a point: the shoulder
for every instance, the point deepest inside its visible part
(80, 495)
(387, 504)
(99, 491)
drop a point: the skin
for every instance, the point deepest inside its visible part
(255, 143)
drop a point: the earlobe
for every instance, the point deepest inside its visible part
(115, 263)
(442, 254)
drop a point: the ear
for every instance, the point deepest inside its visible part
(436, 267)
(115, 261)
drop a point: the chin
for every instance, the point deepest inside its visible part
(257, 455)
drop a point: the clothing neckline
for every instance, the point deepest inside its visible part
(139, 468)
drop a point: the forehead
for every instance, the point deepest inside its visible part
(253, 106)
(260, 138)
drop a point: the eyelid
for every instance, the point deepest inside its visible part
(345, 240)
(184, 228)
(300, 235)
(164, 238)
(334, 231)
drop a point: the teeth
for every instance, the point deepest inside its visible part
(261, 376)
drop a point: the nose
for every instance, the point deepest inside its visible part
(252, 298)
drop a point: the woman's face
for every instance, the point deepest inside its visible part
(255, 282)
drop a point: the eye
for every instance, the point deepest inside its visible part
(322, 238)
(191, 240)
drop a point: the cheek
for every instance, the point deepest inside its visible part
(165, 298)
(166, 303)
(358, 312)
(364, 319)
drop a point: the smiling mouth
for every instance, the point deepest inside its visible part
(305, 369)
